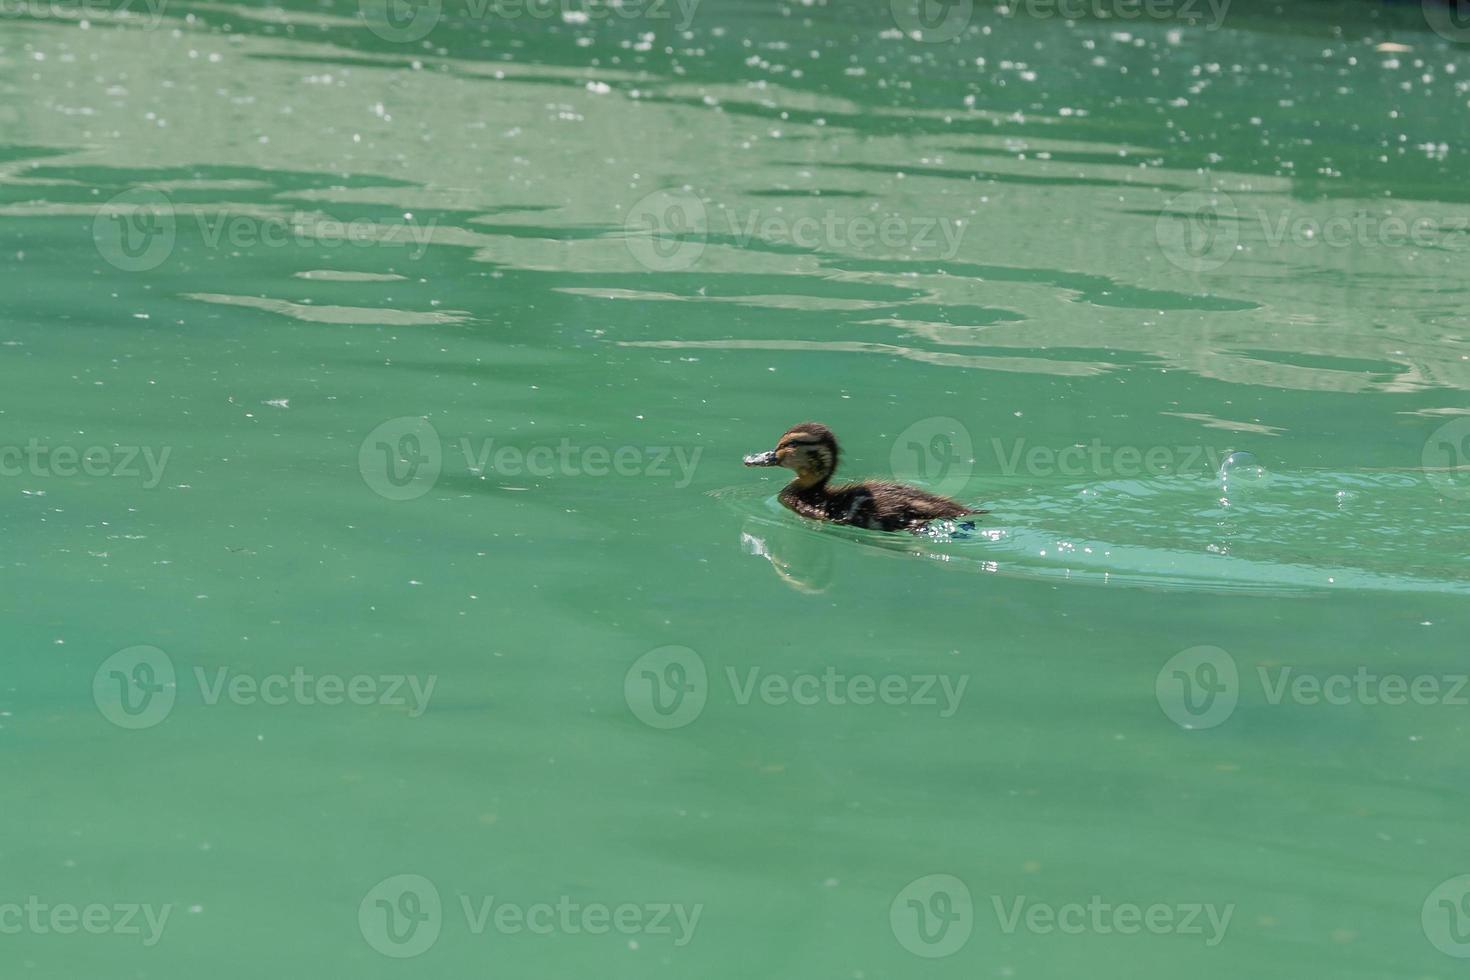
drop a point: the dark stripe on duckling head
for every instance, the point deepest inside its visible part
(814, 431)
(811, 433)
(816, 450)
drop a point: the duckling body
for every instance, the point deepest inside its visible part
(872, 504)
(811, 450)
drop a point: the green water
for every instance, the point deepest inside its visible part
(371, 422)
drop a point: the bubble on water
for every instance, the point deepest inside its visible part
(1242, 471)
(1346, 498)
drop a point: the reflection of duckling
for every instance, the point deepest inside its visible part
(799, 558)
(811, 450)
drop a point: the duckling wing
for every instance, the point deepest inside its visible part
(900, 505)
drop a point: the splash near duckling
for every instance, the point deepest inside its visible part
(812, 452)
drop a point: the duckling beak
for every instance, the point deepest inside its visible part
(767, 458)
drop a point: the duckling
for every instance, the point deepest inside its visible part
(811, 450)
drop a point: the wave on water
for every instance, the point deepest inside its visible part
(1252, 532)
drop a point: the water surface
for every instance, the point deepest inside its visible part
(338, 351)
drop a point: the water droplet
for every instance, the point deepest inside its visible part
(1242, 471)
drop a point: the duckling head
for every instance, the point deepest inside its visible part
(809, 448)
